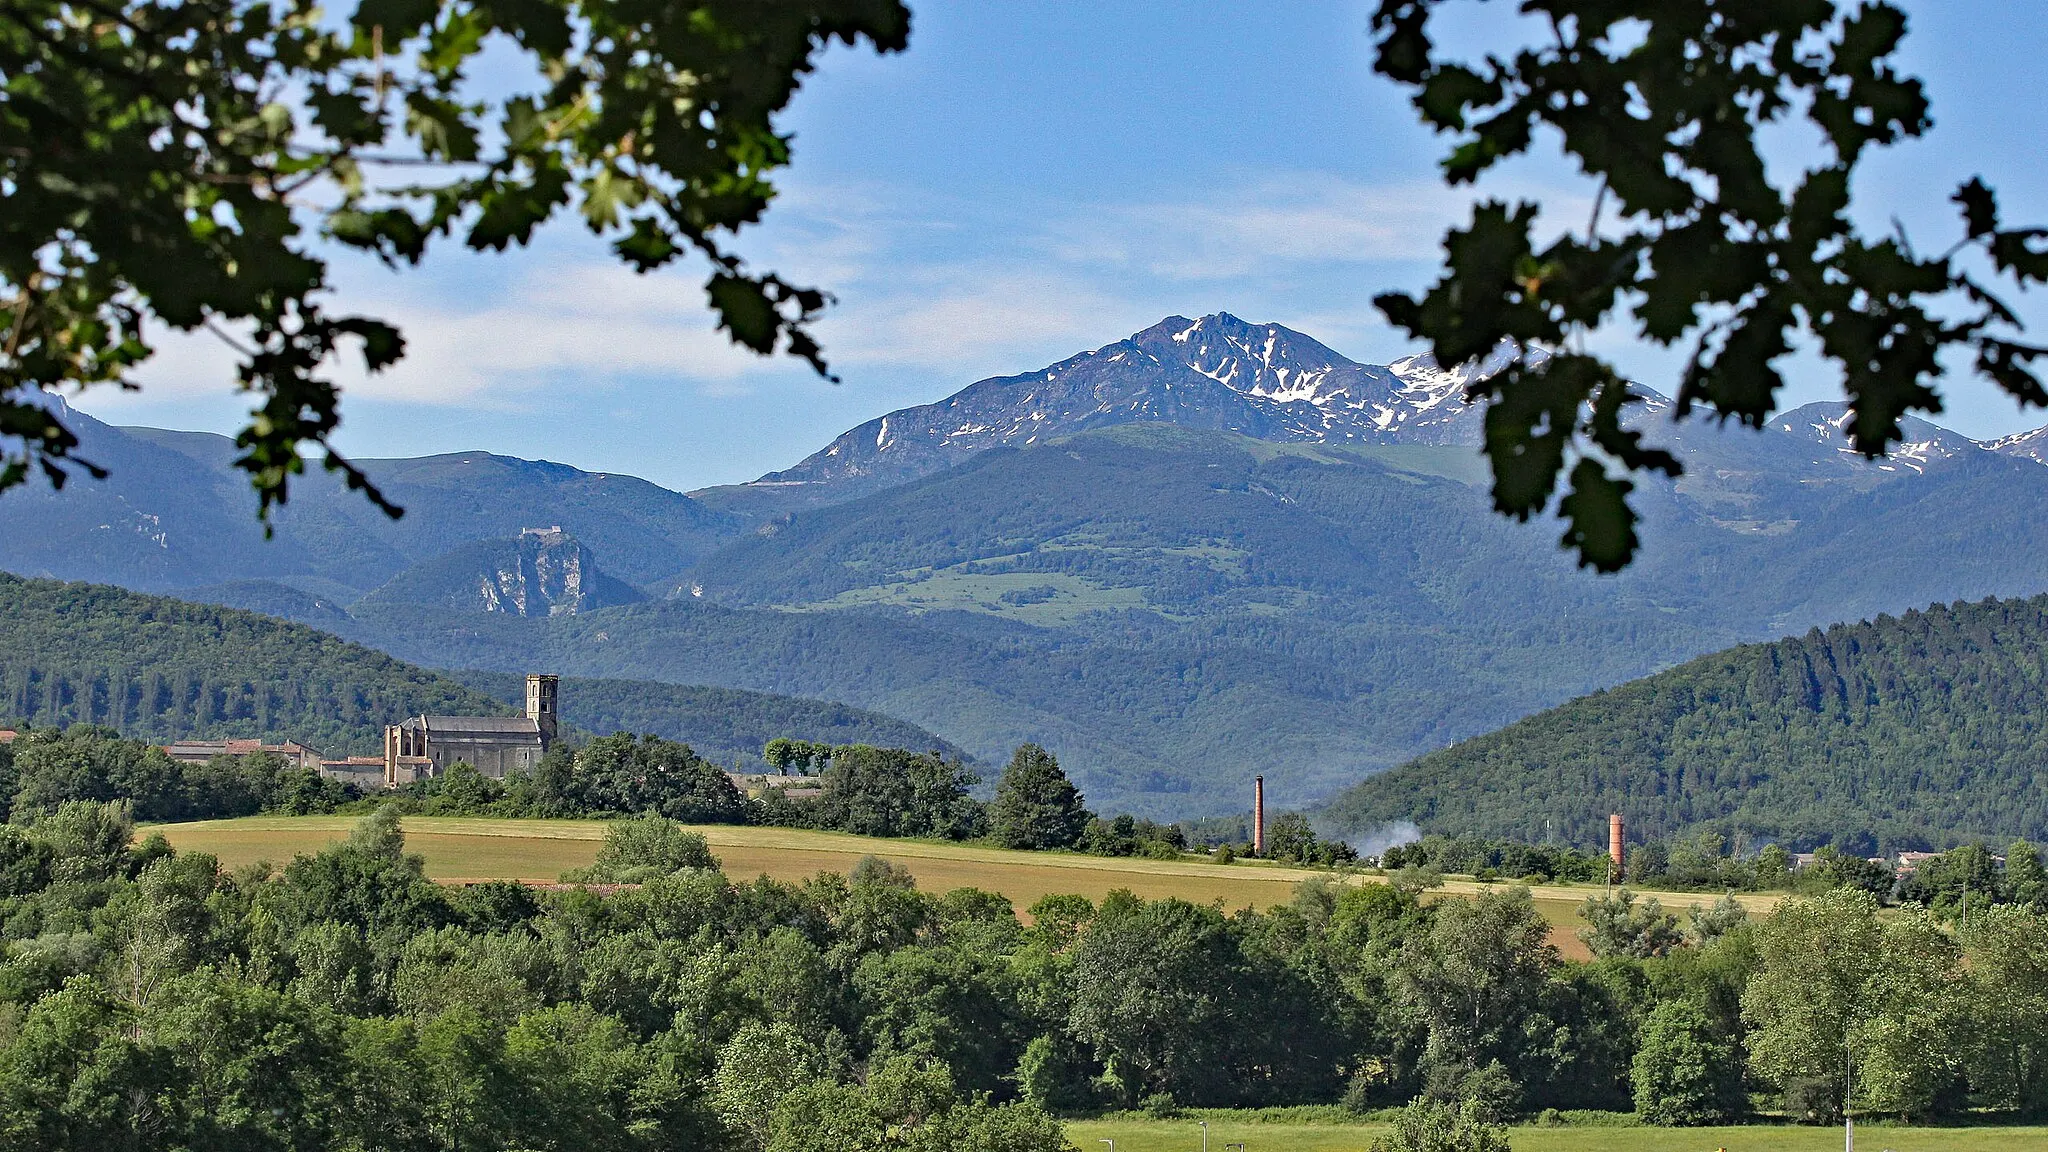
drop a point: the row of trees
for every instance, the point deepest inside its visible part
(43, 768)
(1972, 875)
(151, 999)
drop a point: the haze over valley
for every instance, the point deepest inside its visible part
(1212, 548)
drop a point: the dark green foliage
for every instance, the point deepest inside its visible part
(353, 1004)
(1685, 1072)
(175, 147)
(1667, 106)
(1163, 992)
(82, 762)
(1617, 926)
(645, 846)
(1441, 1126)
(1469, 855)
(1291, 839)
(623, 774)
(155, 668)
(728, 725)
(1902, 732)
(892, 792)
(1036, 806)
(1126, 835)
(161, 669)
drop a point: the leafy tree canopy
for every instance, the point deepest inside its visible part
(182, 163)
(1666, 107)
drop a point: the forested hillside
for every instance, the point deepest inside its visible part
(722, 724)
(161, 669)
(1921, 730)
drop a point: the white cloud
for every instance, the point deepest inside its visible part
(923, 287)
(1259, 228)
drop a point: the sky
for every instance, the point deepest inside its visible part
(1031, 179)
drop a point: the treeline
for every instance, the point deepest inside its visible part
(728, 725)
(1910, 733)
(162, 669)
(154, 1001)
(861, 789)
(43, 769)
(1972, 874)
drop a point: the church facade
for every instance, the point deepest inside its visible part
(427, 746)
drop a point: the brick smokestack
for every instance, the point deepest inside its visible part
(1614, 843)
(1258, 815)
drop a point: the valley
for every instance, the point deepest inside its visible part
(1210, 549)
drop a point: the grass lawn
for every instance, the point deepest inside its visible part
(461, 849)
(1143, 1135)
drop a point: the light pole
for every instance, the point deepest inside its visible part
(1205, 1134)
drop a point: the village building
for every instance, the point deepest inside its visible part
(7, 735)
(426, 746)
(200, 751)
(365, 772)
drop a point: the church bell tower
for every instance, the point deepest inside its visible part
(540, 706)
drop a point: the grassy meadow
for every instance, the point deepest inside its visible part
(463, 849)
(1139, 1134)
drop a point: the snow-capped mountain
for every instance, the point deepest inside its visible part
(1926, 445)
(1219, 373)
(1268, 381)
(2026, 445)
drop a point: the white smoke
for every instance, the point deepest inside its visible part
(1374, 844)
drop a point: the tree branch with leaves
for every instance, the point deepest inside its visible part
(186, 163)
(1665, 105)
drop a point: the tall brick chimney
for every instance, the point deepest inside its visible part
(1614, 843)
(1258, 815)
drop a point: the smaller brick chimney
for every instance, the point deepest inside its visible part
(1258, 815)
(1614, 843)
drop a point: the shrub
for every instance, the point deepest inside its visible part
(1437, 1126)
(1685, 1073)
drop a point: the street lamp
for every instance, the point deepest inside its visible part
(1205, 1134)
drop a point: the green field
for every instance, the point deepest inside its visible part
(461, 849)
(1145, 1135)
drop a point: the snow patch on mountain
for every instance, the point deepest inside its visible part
(1926, 445)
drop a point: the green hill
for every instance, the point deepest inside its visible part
(1171, 611)
(162, 669)
(1914, 731)
(725, 724)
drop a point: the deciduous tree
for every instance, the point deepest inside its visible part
(181, 164)
(1702, 244)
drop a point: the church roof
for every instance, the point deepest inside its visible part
(456, 727)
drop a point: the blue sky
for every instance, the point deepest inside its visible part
(1028, 180)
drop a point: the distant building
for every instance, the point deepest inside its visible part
(758, 784)
(365, 772)
(1909, 862)
(496, 746)
(7, 735)
(200, 751)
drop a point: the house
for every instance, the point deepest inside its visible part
(365, 772)
(200, 751)
(425, 746)
(8, 735)
(758, 784)
(1909, 862)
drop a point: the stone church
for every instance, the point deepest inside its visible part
(426, 746)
